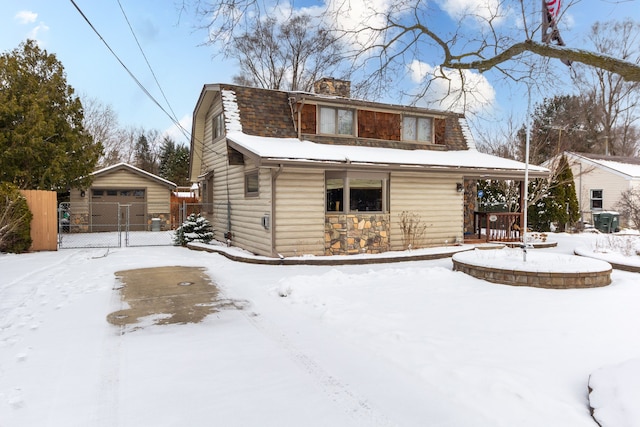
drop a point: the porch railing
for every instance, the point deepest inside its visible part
(498, 226)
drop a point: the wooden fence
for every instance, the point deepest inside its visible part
(44, 225)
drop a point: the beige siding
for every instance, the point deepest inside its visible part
(247, 212)
(299, 212)
(246, 227)
(435, 199)
(589, 178)
(158, 196)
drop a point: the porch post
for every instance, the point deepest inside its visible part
(522, 208)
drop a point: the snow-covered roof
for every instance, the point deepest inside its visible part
(284, 150)
(630, 169)
(134, 169)
(231, 111)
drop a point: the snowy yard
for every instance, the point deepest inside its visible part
(398, 344)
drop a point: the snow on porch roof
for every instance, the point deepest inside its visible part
(291, 150)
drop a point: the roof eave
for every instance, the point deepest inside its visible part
(471, 173)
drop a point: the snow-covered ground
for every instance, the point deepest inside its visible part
(398, 344)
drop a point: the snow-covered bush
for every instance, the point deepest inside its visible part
(195, 228)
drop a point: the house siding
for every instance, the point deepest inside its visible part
(158, 196)
(157, 202)
(435, 199)
(299, 212)
(588, 177)
(247, 211)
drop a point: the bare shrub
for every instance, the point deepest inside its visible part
(413, 229)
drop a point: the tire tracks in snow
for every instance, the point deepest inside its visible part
(107, 412)
(357, 407)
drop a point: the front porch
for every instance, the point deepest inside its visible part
(496, 227)
(484, 224)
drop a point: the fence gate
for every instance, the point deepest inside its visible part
(109, 224)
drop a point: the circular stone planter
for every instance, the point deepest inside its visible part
(541, 270)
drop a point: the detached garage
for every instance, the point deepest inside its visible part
(122, 196)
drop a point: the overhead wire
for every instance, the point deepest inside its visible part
(155, 78)
(135, 79)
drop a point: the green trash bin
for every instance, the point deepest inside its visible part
(606, 222)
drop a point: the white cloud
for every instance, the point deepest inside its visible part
(481, 10)
(26, 17)
(177, 133)
(35, 33)
(446, 88)
(359, 19)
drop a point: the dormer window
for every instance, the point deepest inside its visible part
(336, 121)
(417, 129)
(217, 129)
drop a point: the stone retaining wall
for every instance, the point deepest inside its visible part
(536, 279)
(350, 234)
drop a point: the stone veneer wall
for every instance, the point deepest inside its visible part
(536, 279)
(350, 234)
(79, 223)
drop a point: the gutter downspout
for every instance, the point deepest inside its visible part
(274, 176)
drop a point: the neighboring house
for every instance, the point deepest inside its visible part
(122, 194)
(292, 173)
(600, 180)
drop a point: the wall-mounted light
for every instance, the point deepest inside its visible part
(82, 193)
(459, 187)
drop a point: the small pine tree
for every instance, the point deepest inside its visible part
(558, 204)
(195, 228)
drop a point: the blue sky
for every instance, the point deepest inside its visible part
(173, 45)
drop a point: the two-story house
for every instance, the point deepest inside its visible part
(292, 173)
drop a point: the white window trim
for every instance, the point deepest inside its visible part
(601, 198)
(248, 193)
(336, 120)
(347, 176)
(217, 126)
(417, 141)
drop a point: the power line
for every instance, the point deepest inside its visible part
(135, 79)
(155, 78)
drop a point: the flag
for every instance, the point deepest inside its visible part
(550, 32)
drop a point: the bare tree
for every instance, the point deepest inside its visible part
(389, 38)
(617, 99)
(629, 206)
(101, 121)
(290, 54)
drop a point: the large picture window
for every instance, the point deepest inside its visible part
(417, 129)
(356, 192)
(596, 199)
(336, 121)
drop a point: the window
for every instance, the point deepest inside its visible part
(217, 129)
(361, 192)
(336, 121)
(418, 129)
(251, 184)
(596, 199)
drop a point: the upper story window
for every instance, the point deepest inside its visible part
(336, 121)
(417, 129)
(217, 129)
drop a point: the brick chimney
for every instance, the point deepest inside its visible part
(333, 87)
